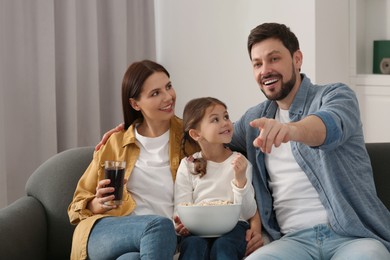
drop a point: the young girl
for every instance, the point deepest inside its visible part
(215, 173)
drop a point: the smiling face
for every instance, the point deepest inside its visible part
(276, 72)
(157, 99)
(215, 127)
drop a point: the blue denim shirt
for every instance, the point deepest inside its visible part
(339, 169)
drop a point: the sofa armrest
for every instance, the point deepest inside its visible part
(23, 230)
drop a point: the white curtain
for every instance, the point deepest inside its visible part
(61, 67)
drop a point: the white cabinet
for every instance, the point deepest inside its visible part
(369, 21)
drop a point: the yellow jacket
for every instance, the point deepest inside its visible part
(120, 146)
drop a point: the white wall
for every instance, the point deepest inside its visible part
(332, 41)
(203, 45)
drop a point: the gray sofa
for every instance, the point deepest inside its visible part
(36, 226)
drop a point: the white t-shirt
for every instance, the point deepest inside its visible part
(217, 184)
(150, 183)
(296, 202)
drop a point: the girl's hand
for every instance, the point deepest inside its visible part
(239, 166)
(179, 227)
(97, 205)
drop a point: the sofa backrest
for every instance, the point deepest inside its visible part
(53, 184)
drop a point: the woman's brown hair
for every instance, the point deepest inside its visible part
(132, 84)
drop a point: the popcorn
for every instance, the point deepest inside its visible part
(207, 203)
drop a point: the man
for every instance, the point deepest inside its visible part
(312, 174)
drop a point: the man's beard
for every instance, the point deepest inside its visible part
(285, 90)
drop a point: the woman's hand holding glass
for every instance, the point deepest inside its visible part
(98, 204)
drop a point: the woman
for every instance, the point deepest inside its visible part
(150, 145)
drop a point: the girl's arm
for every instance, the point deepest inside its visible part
(183, 193)
(245, 195)
(183, 184)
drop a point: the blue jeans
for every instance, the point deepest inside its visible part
(321, 242)
(132, 237)
(231, 245)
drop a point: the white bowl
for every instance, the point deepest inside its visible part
(209, 221)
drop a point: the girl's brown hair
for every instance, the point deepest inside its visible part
(193, 114)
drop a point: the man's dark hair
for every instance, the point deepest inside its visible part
(273, 30)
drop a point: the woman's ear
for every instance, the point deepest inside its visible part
(194, 134)
(133, 104)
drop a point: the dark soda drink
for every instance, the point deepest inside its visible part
(116, 176)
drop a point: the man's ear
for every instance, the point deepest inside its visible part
(194, 134)
(133, 104)
(298, 57)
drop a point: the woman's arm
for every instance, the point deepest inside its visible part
(90, 193)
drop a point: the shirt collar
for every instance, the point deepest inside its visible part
(298, 105)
